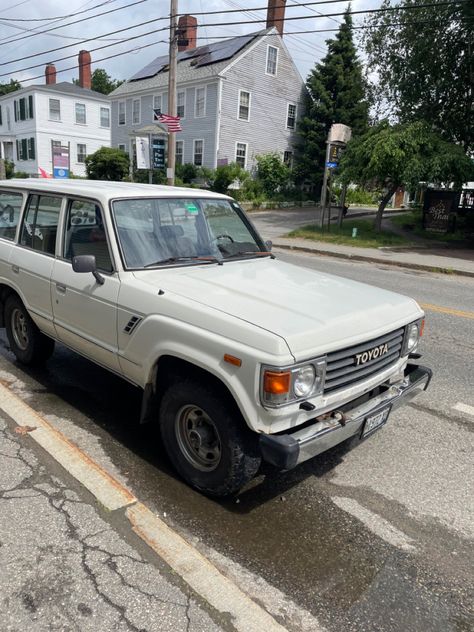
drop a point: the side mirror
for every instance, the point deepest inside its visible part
(87, 263)
(269, 245)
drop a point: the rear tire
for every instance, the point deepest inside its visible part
(29, 345)
(206, 439)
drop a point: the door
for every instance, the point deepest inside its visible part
(85, 312)
(33, 260)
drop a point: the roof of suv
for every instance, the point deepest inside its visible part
(104, 189)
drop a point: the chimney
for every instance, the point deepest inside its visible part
(50, 74)
(187, 32)
(276, 15)
(85, 69)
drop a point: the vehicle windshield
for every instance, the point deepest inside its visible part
(182, 231)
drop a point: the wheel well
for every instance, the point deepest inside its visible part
(5, 292)
(169, 369)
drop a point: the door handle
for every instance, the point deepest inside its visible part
(16, 269)
(60, 288)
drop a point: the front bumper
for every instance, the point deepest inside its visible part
(287, 450)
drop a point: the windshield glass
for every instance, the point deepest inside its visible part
(160, 231)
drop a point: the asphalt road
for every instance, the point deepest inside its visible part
(376, 536)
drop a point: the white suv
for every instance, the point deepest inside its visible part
(241, 357)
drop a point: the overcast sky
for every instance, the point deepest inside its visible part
(18, 39)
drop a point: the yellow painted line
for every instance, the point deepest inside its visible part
(447, 310)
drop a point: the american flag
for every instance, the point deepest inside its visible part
(171, 122)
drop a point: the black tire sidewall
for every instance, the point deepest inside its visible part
(239, 455)
(39, 346)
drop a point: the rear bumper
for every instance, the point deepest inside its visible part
(287, 450)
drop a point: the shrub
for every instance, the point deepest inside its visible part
(107, 163)
(272, 172)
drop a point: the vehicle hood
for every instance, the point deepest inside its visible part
(313, 311)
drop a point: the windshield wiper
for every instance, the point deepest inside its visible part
(210, 258)
(254, 253)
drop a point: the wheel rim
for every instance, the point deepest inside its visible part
(198, 438)
(20, 329)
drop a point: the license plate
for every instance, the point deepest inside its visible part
(374, 422)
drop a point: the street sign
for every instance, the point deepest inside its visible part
(158, 152)
(331, 165)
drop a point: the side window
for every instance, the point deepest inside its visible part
(85, 234)
(10, 207)
(40, 223)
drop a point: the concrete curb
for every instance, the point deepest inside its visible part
(195, 569)
(399, 264)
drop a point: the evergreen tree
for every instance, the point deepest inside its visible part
(335, 94)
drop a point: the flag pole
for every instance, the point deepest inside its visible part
(172, 89)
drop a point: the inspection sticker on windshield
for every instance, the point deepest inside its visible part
(192, 208)
(374, 422)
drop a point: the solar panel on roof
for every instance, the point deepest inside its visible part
(204, 55)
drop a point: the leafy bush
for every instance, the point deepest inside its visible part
(9, 168)
(187, 172)
(20, 174)
(272, 172)
(223, 177)
(107, 163)
(142, 176)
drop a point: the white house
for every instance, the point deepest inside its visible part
(236, 98)
(37, 120)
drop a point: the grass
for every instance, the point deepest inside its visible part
(366, 235)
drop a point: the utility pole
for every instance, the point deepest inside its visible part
(172, 88)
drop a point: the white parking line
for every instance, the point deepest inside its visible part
(378, 525)
(464, 408)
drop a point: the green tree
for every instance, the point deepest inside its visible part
(422, 62)
(107, 163)
(102, 82)
(11, 86)
(224, 176)
(391, 156)
(272, 172)
(336, 93)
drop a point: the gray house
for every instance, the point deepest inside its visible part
(236, 99)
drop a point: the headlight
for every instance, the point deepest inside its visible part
(304, 380)
(412, 336)
(286, 385)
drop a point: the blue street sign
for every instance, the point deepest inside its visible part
(60, 173)
(331, 165)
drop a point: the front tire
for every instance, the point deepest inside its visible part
(29, 345)
(206, 439)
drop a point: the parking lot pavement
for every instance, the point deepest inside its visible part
(67, 565)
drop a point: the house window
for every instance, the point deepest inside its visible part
(288, 158)
(181, 97)
(23, 108)
(104, 117)
(241, 154)
(136, 111)
(121, 113)
(198, 152)
(25, 149)
(80, 113)
(180, 152)
(55, 109)
(291, 116)
(81, 153)
(158, 104)
(200, 103)
(122, 147)
(244, 105)
(272, 60)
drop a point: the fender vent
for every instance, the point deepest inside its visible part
(132, 324)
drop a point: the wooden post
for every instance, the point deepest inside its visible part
(172, 88)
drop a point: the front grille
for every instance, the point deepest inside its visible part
(342, 369)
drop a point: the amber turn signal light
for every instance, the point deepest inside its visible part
(232, 360)
(276, 383)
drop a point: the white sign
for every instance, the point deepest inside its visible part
(143, 153)
(340, 133)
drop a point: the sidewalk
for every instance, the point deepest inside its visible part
(275, 225)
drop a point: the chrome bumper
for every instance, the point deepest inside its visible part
(287, 450)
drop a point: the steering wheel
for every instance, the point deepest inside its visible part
(223, 236)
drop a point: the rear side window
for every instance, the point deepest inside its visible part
(10, 208)
(40, 224)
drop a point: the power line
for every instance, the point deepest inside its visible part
(57, 17)
(54, 28)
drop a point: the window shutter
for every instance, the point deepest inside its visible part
(24, 149)
(31, 149)
(18, 157)
(30, 104)
(15, 108)
(22, 109)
